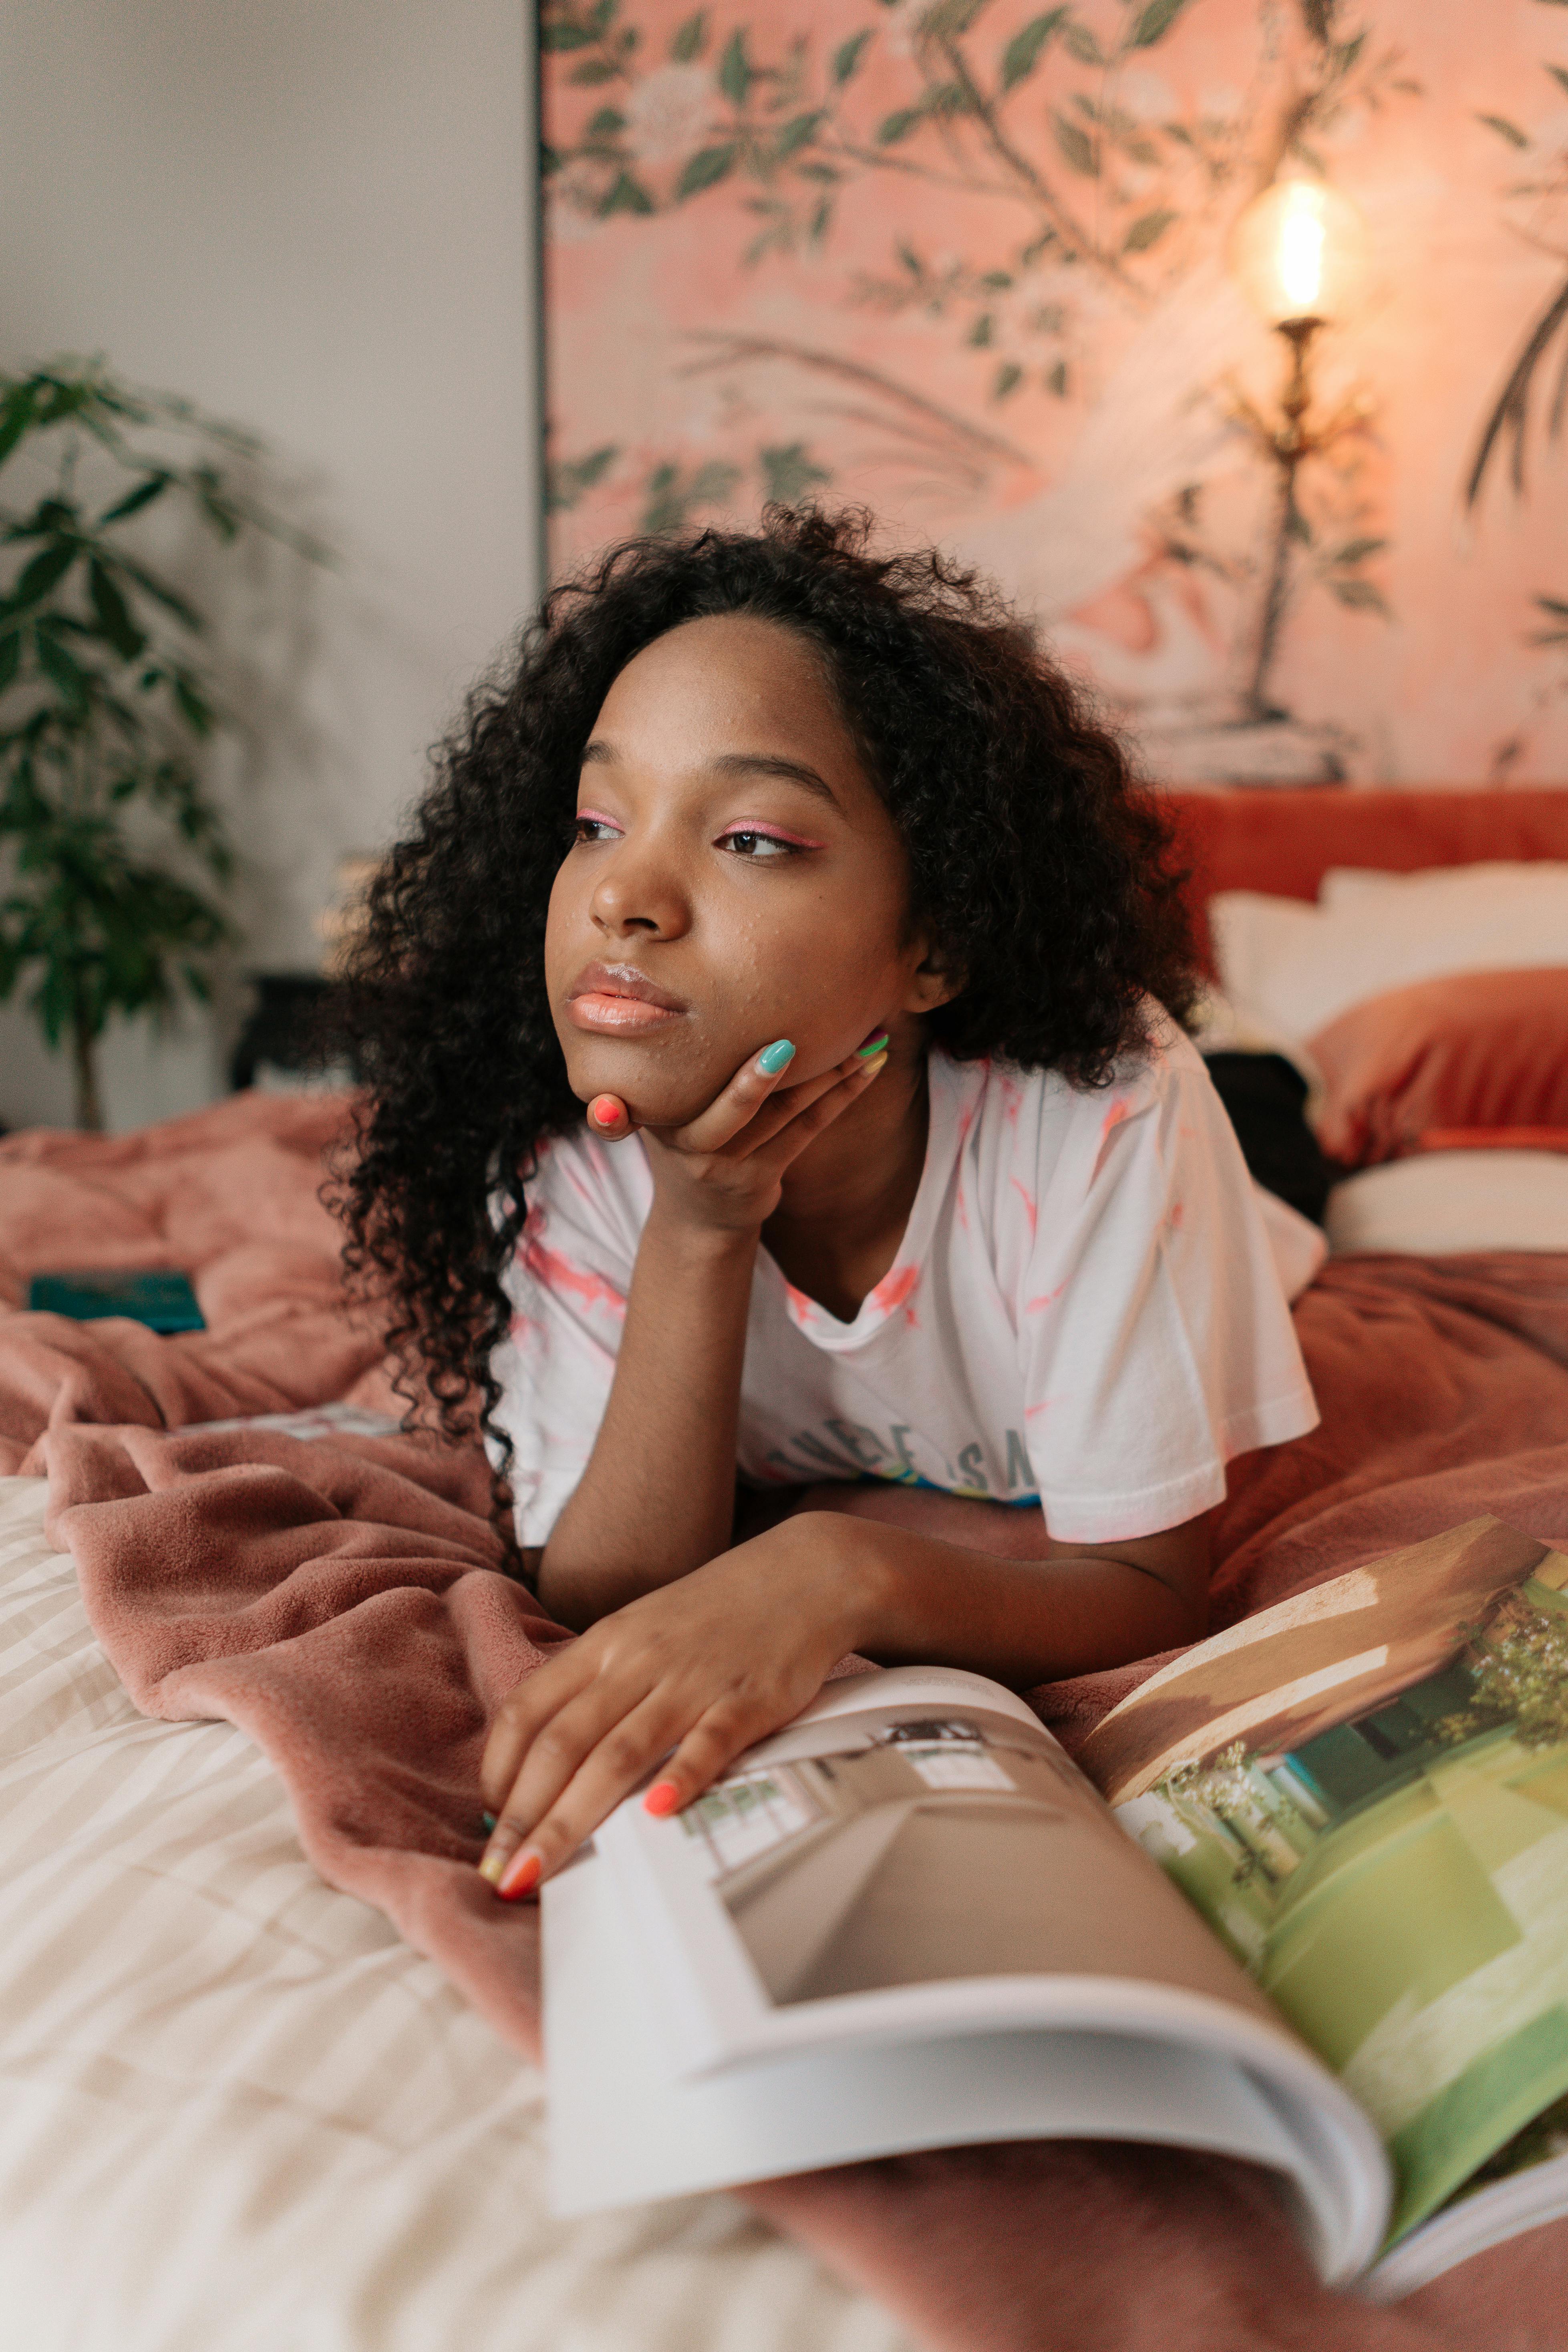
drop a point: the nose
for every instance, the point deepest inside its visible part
(640, 889)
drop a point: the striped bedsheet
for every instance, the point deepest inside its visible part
(238, 2113)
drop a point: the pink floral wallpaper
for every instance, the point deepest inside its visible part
(965, 261)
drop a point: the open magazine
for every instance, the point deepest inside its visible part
(1302, 1899)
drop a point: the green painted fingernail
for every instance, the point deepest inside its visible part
(864, 1052)
(489, 1821)
(775, 1058)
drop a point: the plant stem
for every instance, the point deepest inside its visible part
(84, 1071)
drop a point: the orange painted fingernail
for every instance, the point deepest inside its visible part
(663, 1798)
(522, 1876)
(606, 1111)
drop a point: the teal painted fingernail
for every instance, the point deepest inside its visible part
(864, 1052)
(775, 1058)
(489, 1821)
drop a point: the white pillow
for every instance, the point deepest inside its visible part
(1288, 967)
(1443, 1201)
(1436, 891)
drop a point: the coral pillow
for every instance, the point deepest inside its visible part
(1477, 1049)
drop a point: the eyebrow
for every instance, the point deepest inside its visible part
(738, 763)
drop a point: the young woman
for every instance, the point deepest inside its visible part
(900, 1288)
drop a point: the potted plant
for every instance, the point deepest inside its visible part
(115, 856)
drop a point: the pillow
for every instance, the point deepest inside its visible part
(1445, 1202)
(1442, 889)
(1289, 968)
(1477, 1049)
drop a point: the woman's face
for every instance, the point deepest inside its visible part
(736, 877)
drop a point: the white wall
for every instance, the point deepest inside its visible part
(313, 216)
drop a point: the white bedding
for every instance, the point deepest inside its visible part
(240, 2116)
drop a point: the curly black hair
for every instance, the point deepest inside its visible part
(1038, 869)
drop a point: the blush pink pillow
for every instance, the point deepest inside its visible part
(1477, 1049)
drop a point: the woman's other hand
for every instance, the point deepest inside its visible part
(704, 1667)
(722, 1171)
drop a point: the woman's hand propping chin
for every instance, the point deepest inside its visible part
(703, 1667)
(722, 1171)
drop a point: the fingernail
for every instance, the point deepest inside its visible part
(872, 1046)
(775, 1058)
(488, 1823)
(522, 1876)
(663, 1798)
(606, 1111)
(870, 1068)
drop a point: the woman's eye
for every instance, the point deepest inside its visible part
(747, 843)
(595, 828)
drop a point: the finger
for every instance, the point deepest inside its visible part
(609, 1115)
(727, 1729)
(608, 1772)
(522, 1715)
(552, 1755)
(729, 1110)
(797, 1129)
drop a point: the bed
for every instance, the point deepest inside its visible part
(242, 2109)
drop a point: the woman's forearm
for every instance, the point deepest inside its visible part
(658, 1497)
(918, 1599)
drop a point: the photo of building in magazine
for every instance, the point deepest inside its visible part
(1371, 1806)
(826, 1866)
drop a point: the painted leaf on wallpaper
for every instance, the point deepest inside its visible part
(967, 262)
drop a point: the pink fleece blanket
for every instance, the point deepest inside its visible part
(341, 1604)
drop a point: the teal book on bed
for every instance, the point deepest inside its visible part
(158, 1296)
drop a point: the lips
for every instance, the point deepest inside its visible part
(618, 1001)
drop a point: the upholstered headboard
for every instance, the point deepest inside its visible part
(1254, 838)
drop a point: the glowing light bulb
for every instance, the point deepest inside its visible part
(1300, 250)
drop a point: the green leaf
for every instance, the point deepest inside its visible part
(566, 480)
(734, 72)
(1505, 129)
(194, 709)
(1356, 551)
(847, 55)
(1008, 378)
(1083, 46)
(607, 123)
(113, 613)
(566, 36)
(1360, 595)
(1077, 146)
(134, 501)
(15, 416)
(1558, 76)
(690, 38)
(1147, 230)
(66, 675)
(627, 195)
(161, 593)
(795, 134)
(897, 125)
(980, 333)
(592, 73)
(1057, 380)
(705, 170)
(1155, 23)
(788, 473)
(1021, 53)
(42, 575)
(1553, 604)
(10, 657)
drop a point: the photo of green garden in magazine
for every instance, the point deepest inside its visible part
(1364, 1792)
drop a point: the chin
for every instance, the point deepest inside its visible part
(655, 1097)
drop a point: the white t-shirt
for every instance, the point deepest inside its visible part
(1084, 1312)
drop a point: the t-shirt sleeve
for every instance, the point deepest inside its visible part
(567, 1282)
(1154, 1333)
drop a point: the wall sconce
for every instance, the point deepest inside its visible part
(1300, 252)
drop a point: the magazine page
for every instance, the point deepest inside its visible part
(915, 1854)
(1364, 1792)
